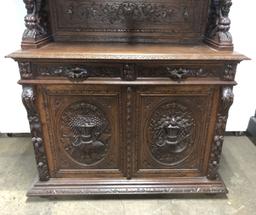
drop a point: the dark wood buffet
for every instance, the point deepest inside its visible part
(127, 97)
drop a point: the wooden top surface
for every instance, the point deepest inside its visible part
(123, 51)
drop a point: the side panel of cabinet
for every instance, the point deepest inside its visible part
(174, 125)
(81, 126)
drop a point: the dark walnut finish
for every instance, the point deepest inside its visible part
(138, 117)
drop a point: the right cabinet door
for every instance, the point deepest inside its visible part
(175, 126)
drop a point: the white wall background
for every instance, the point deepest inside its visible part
(12, 113)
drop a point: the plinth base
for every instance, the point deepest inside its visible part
(66, 187)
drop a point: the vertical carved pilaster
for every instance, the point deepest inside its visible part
(129, 133)
(217, 32)
(37, 29)
(29, 99)
(226, 102)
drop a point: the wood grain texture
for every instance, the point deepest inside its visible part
(116, 51)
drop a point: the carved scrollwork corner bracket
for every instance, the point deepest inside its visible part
(25, 70)
(37, 31)
(29, 99)
(216, 148)
(217, 32)
(229, 72)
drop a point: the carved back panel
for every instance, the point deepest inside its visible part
(179, 21)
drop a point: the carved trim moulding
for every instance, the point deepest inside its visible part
(129, 137)
(41, 190)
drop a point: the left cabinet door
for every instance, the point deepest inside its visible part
(81, 128)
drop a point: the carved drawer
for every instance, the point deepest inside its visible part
(82, 132)
(129, 71)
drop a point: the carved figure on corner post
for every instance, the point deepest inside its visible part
(29, 99)
(217, 33)
(36, 32)
(214, 160)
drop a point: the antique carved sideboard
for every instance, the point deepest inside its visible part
(125, 96)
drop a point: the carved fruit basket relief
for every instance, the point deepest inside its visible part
(170, 134)
(85, 133)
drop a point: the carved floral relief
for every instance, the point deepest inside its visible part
(121, 12)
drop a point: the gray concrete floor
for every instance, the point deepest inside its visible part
(238, 170)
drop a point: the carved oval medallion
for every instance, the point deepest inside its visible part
(85, 132)
(171, 127)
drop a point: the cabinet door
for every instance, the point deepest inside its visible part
(82, 130)
(172, 127)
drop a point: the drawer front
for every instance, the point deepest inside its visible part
(173, 130)
(82, 128)
(129, 71)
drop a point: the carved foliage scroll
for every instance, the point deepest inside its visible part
(29, 99)
(85, 133)
(217, 33)
(72, 73)
(170, 133)
(226, 101)
(123, 12)
(35, 21)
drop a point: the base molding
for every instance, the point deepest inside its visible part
(66, 187)
(220, 46)
(33, 44)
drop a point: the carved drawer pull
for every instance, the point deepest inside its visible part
(77, 74)
(181, 73)
(178, 74)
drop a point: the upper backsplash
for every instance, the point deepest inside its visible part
(132, 21)
(176, 21)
